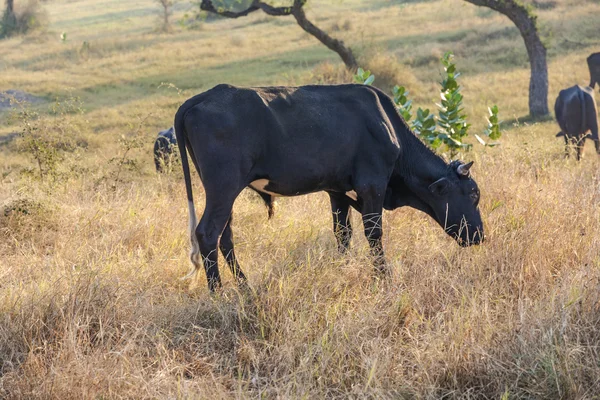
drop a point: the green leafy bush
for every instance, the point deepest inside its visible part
(364, 77)
(449, 130)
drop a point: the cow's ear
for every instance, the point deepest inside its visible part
(440, 187)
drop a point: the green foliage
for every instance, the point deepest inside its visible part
(451, 119)
(404, 105)
(451, 127)
(364, 77)
(492, 131)
(424, 126)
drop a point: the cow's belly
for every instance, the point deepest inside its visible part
(261, 186)
(266, 186)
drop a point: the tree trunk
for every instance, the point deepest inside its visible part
(344, 52)
(10, 19)
(538, 81)
(536, 51)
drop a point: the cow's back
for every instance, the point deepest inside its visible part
(569, 110)
(305, 133)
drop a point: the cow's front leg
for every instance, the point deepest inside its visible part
(566, 144)
(228, 251)
(342, 229)
(372, 208)
(594, 133)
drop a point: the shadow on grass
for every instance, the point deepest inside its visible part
(247, 72)
(527, 119)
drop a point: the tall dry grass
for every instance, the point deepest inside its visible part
(91, 305)
(90, 301)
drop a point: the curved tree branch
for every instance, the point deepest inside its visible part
(338, 46)
(297, 11)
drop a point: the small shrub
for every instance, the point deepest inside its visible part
(194, 21)
(166, 10)
(451, 121)
(404, 105)
(129, 144)
(22, 207)
(424, 124)
(492, 131)
(389, 71)
(364, 77)
(327, 73)
(24, 19)
(47, 140)
(24, 218)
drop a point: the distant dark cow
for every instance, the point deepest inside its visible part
(594, 66)
(163, 149)
(576, 114)
(347, 140)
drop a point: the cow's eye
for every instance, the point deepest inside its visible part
(475, 196)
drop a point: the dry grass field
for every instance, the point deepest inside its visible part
(90, 301)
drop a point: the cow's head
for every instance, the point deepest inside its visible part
(451, 199)
(454, 201)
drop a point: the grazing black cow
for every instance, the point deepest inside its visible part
(347, 140)
(594, 65)
(576, 114)
(163, 149)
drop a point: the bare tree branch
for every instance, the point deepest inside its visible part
(297, 11)
(338, 46)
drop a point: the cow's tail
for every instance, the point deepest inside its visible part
(582, 128)
(181, 143)
(591, 68)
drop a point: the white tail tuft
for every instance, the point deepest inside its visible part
(195, 247)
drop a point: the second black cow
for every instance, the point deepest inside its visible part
(347, 140)
(164, 146)
(576, 114)
(593, 62)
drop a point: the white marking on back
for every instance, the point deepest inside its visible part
(352, 194)
(260, 185)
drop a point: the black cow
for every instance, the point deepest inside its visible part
(594, 65)
(576, 114)
(347, 140)
(163, 149)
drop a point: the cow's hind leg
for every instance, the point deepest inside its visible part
(579, 142)
(342, 229)
(226, 246)
(211, 226)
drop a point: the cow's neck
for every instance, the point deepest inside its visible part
(417, 164)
